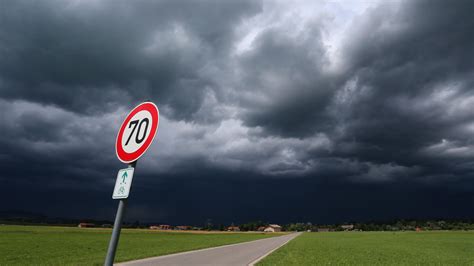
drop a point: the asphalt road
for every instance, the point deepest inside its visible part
(236, 254)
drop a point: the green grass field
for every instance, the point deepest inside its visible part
(47, 245)
(377, 248)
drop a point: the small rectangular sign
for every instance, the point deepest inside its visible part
(123, 183)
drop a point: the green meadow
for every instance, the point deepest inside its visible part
(377, 248)
(48, 245)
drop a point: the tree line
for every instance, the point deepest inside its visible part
(18, 217)
(397, 225)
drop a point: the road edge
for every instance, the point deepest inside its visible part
(271, 251)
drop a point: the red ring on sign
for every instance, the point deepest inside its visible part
(126, 157)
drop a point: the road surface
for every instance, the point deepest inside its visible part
(236, 254)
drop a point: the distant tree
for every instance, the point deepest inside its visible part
(252, 226)
(208, 225)
(136, 224)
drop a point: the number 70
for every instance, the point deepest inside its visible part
(138, 123)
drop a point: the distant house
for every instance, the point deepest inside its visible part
(347, 227)
(183, 227)
(84, 225)
(272, 228)
(160, 227)
(233, 228)
(164, 227)
(261, 228)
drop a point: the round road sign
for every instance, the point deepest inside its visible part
(137, 132)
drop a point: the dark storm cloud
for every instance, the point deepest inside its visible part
(274, 200)
(256, 109)
(66, 65)
(405, 85)
(290, 71)
(400, 90)
(412, 84)
(49, 147)
(395, 50)
(78, 54)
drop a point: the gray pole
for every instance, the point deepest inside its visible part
(109, 261)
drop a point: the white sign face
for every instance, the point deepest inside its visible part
(136, 131)
(123, 183)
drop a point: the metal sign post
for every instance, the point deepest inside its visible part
(109, 261)
(134, 137)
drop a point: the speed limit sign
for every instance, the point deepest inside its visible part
(134, 137)
(137, 132)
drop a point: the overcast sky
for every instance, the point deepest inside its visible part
(319, 111)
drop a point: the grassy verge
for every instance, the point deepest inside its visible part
(377, 248)
(47, 245)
